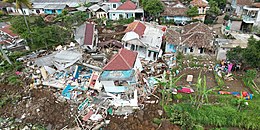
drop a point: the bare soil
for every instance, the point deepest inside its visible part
(40, 107)
(235, 85)
(141, 120)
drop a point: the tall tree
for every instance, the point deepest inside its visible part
(214, 9)
(152, 7)
(252, 53)
(19, 4)
(249, 55)
(192, 11)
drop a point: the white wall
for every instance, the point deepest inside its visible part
(101, 14)
(25, 10)
(34, 11)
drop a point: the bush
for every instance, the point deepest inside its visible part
(227, 17)
(219, 80)
(126, 21)
(179, 117)
(14, 80)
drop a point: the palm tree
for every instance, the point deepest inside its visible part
(18, 4)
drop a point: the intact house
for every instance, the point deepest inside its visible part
(203, 6)
(45, 7)
(7, 8)
(196, 39)
(126, 10)
(120, 73)
(54, 8)
(87, 36)
(99, 10)
(175, 12)
(145, 38)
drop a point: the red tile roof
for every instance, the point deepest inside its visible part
(89, 32)
(199, 3)
(123, 60)
(114, 1)
(7, 29)
(128, 5)
(137, 27)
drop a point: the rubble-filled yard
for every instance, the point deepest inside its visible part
(88, 91)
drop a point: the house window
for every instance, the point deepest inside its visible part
(37, 11)
(201, 50)
(154, 56)
(114, 14)
(114, 6)
(126, 44)
(132, 47)
(149, 53)
(191, 49)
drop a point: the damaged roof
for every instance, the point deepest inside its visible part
(172, 36)
(123, 60)
(197, 34)
(199, 3)
(7, 29)
(136, 27)
(244, 2)
(174, 11)
(84, 34)
(89, 32)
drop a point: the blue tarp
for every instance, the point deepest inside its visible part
(67, 92)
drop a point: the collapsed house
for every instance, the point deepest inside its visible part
(144, 38)
(9, 39)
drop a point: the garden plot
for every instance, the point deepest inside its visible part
(234, 85)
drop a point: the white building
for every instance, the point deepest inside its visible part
(145, 38)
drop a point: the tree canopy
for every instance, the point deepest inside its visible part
(42, 34)
(192, 11)
(19, 3)
(214, 9)
(152, 7)
(249, 55)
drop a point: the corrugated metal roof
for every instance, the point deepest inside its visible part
(38, 6)
(55, 6)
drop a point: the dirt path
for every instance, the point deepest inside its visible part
(218, 25)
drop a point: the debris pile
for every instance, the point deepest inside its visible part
(93, 87)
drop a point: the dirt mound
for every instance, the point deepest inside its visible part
(141, 120)
(37, 106)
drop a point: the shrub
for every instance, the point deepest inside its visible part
(227, 17)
